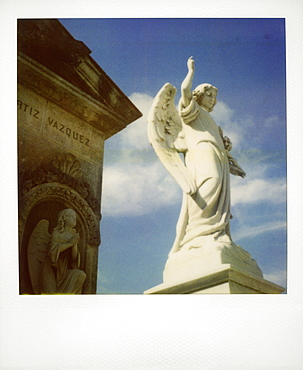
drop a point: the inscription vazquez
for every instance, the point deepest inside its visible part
(72, 134)
(28, 109)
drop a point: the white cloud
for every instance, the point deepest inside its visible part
(222, 113)
(137, 189)
(259, 190)
(223, 116)
(271, 122)
(244, 131)
(247, 231)
(135, 136)
(277, 277)
(142, 101)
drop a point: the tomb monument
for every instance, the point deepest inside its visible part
(67, 107)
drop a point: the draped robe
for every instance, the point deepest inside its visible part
(205, 215)
(61, 273)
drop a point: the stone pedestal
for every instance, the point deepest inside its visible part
(67, 107)
(224, 280)
(215, 268)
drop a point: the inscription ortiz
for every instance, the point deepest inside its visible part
(72, 134)
(28, 109)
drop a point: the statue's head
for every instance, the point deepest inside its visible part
(206, 96)
(66, 215)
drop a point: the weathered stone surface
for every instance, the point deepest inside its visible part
(47, 42)
(59, 125)
(54, 259)
(67, 107)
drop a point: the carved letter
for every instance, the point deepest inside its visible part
(68, 132)
(87, 141)
(62, 127)
(36, 114)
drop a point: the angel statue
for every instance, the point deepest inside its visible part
(54, 260)
(204, 173)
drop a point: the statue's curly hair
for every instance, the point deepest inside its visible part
(200, 90)
(61, 219)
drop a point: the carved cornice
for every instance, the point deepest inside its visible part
(48, 40)
(45, 49)
(64, 169)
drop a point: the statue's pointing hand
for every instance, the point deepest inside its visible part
(191, 64)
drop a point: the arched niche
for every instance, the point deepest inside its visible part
(45, 201)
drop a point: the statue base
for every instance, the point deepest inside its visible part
(225, 280)
(218, 268)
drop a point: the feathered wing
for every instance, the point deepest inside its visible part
(164, 129)
(36, 252)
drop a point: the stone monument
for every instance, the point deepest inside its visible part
(67, 107)
(203, 259)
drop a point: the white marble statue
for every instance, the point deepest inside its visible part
(204, 174)
(54, 260)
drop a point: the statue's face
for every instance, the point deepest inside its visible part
(208, 99)
(71, 219)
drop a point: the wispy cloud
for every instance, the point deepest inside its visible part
(137, 189)
(259, 190)
(247, 231)
(271, 122)
(277, 277)
(135, 136)
(224, 117)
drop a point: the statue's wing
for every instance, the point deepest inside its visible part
(36, 252)
(164, 129)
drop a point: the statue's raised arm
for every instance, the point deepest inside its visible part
(186, 87)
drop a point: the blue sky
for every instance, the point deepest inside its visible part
(245, 60)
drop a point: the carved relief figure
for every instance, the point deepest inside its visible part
(54, 260)
(204, 173)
